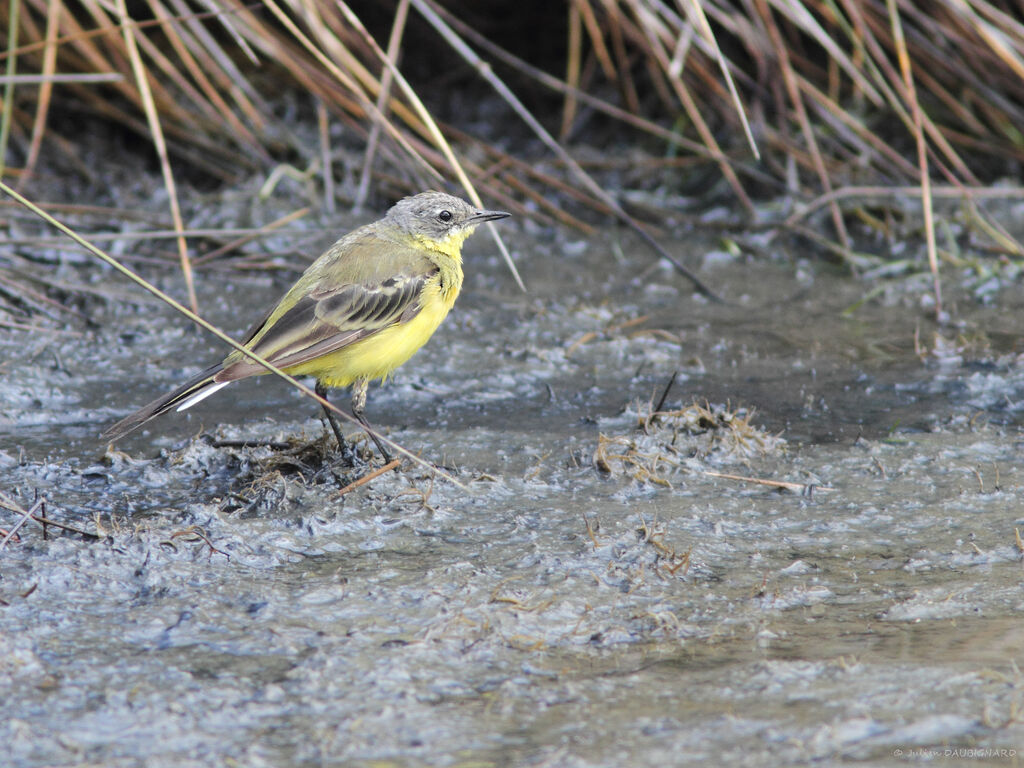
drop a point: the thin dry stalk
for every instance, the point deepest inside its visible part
(393, 464)
(45, 92)
(208, 98)
(249, 237)
(693, 111)
(386, 81)
(802, 488)
(922, 151)
(326, 165)
(572, 69)
(696, 10)
(13, 26)
(220, 66)
(796, 99)
(153, 117)
(552, 83)
(26, 515)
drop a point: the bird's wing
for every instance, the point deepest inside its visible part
(356, 289)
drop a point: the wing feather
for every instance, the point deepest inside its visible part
(353, 291)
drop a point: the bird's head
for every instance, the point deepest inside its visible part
(438, 220)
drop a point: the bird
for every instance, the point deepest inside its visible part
(357, 313)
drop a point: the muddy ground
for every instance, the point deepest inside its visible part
(589, 594)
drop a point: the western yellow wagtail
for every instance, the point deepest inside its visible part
(358, 312)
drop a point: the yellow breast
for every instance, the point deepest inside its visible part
(376, 356)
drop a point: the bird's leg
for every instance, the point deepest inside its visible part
(358, 406)
(346, 452)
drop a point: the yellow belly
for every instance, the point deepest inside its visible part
(376, 356)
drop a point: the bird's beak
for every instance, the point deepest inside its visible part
(481, 216)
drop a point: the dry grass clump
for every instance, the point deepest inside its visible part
(672, 441)
(830, 93)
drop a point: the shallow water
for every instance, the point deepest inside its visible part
(548, 613)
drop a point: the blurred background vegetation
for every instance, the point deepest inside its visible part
(847, 116)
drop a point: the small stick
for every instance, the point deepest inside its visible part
(40, 329)
(195, 530)
(664, 395)
(8, 503)
(796, 487)
(917, 130)
(590, 531)
(368, 477)
(45, 521)
(25, 516)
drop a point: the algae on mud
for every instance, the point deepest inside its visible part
(236, 609)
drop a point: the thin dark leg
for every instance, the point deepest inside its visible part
(358, 406)
(346, 451)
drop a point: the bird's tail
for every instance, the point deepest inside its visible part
(197, 388)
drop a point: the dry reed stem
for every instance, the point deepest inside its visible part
(45, 92)
(386, 81)
(922, 151)
(596, 37)
(326, 164)
(208, 98)
(40, 329)
(572, 69)
(249, 236)
(220, 66)
(548, 81)
(803, 488)
(26, 515)
(881, 192)
(891, 84)
(13, 13)
(863, 138)
(797, 102)
(30, 514)
(27, 294)
(694, 113)
(696, 10)
(153, 118)
(314, 78)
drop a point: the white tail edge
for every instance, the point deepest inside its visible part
(202, 394)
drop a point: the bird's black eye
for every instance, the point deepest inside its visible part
(445, 216)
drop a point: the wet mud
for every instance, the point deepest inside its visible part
(605, 585)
